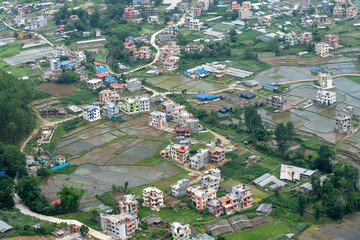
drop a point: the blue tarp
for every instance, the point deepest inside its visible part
(60, 166)
(63, 63)
(270, 86)
(110, 78)
(101, 69)
(316, 68)
(187, 73)
(201, 71)
(204, 96)
(73, 64)
(2, 173)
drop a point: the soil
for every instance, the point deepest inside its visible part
(57, 89)
(29, 238)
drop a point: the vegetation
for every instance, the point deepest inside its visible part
(6, 192)
(70, 197)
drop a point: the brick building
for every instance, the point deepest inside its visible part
(278, 102)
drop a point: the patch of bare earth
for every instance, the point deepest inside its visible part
(56, 89)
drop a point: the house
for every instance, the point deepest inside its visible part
(351, 12)
(91, 113)
(74, 18)
(306, 37)
(97, 32)
(129, 13)
(153, 19)
(322, 20)
(120, 226)
(55, 202)
(151, 11)
(129, 204)
(304, 3)
(108, 95)
(325, 80)
(205, 97)
(133, 85)
(196, 25)
(153, 220)
(244, 14)
(199, 196)
(192, 123)
(215, 207)
(292, 38)
(59, 159)
(94, 83)
(217, 154)
(145, 52)
(171, 63)
(211, 178)
(111, 110)
(179, 189)
(182, 132)
(79, 56)
(338, 10)
(157, 119)
(102, 70)
(62, 51)
(153, 198)
(244, 194)
(18, 21)
(292, 173)
(169, 49)
(246, 5)
(55, 64)
(264, 208)
(180, 231)
(199, 159)
(137, 104)
(278, 102)
(332, 40)
(343, 121)
(179, 153)
(325, 98)
(53, 112)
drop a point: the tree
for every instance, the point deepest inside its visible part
(28, 190)
(12, 161)
(274, 46)
(68, 77)
(249, 53)
(94, 210)
(317, 213)
(43, 172)
(322, 162)
(253, 120)
(283, 136)
(6, 192)
(70, 197)
(220, 237)
(126, 184)
(84, 230)
(302, 201)
(232, 32)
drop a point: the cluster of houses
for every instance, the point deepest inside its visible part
(143, 53)
(45, 160)
(32, 23)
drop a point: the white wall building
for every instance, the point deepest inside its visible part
(325, 80)
(326, 98)
(199, 159)
(157, 119)
(91, 113)
(119, 226)
(211, 178)
(55, 64)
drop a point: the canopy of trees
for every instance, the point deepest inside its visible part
(70, 197)
(283, 136)
(12, 160)
(6, 192)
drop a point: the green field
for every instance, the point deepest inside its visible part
(261, 233)
(354, 78)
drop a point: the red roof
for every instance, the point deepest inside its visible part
(237, 145)
(351, 8)
(128, 43)
(100, 103)
(56, 202)
(121, 85)
(73, 16)
(93, 50)
(102, 75)
(191, 115)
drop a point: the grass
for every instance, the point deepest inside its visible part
(66, 170)
(102, 56)
(21, 70)
(54, 140)
(203, 136)
(277, 76)
(262, 233)
(108, 200)
(150, 161)
(83, 217)
(10, 50)
(79, 97)
(355, 79)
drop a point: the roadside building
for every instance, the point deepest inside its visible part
(153, 198)
(169, 49)
(278, 102)
(157, 119)
(322, 20)
(111, 110)
(306, 37)
(179, 153)
(338, 10)
(167, 106)
(177, 112)
(211, 178)
(120, 226)
(343, 121)
(192, 123)
(129, 204)
(171, 63)
(217, 154)
(182, 132)
(133, 85)
(94, 83)
(196, 25)
(53, 112)
(322, 49)
(135, 105)
(179, 189)
(199, 159)
(180, 231)
(109, 96)
(351, 12)
(91, 113)
(199, 196)
(332, 40)
(325, 98)
(145, 52)
(325, 80)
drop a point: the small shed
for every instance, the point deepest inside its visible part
(264, 208)
(4, 227)
(153, 220)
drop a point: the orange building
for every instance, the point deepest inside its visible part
(199, 196)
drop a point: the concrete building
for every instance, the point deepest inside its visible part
(171, 63)
(91, 113)
(338, 10)
(133, 85)
(129, 204)
(169, 49)
(179, 189)
(196, 25)
(332, 40)
(244, 14)
(215, 207)
(62, 51)
(322, 49)
(192, 123)
(157, 119)
(278, 102)
(180, 231)
(153, 198)
(343, 121)
(55, 64)
(211, 178)
(351, 12)
(179, 153)
(292, 38)
(150, 11)
(145, 52)
(217, 154)
(120, 226)
(325, 80)
(199, 159)
(304, 3)
(129, 13)
(19, 21)
(199, 196)
(246, 5)
(167, 106)
(325, 98)
(111, 110)
(79, 56)
(322, 20)
(306, 37)
(137, 104)
(244, 194)
(108, 95)
(94, 83)
(182, 132)
(203, 237)
(177, 112)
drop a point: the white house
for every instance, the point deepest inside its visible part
(91, 113)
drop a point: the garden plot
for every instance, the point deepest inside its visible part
(219, 227)
(57, 89)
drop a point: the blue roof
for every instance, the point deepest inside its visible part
(270, 86)
(316, 68)
(186, 72)
(110, 78)
(204, 96)
(2, 173)
(73, 64)
(101, 69)
(201, 71)
(64, 63)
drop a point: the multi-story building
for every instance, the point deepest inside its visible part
(322, 49)
(244, 194)
(279, 102)
(235, 5)
(292, 38)
(217, 154)
(18, 21)
(157, 119)
(182, 6)
(167, 106)
(304, 3)
(145, 52)
(215, 207)
(325, 98)
(343, 121)
(192, 47)
(351, 12)
(211, 178)
(196, 25)
(62, 51)
(192, 123)
(338, 10)
(244, 14)
(322, 20)
(150, 11)
(141, 2)
(246, 5)
(199, 159)
(91, 113)
(332, 40)
(94, 83)
(108, 95)
(199, 196)
(230, 203)
(306, 37)
(153, 198)
(137, 104)
(176, 112)
(129, 13)
(133, 85)
(111, 110)
(129, 204)
(120, 226)
(182, 132)
(169, 49)
(180, 231)
(171, 63)
(195, 11)
(55, 64)
(144, 104)
(179, 189)
(325, 80)
(179, 153)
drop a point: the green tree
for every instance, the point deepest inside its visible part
(126, 184)
(249, 53)
(232, 32)
(302, 201)
(70, 197)
(94, 210)
(283, 136)
(28, 190)
(84, 230)
(6, 192)
(68, 77)
(317, 213)
(253, 121)
(323, 161)
(12, 160)
(43, 172)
